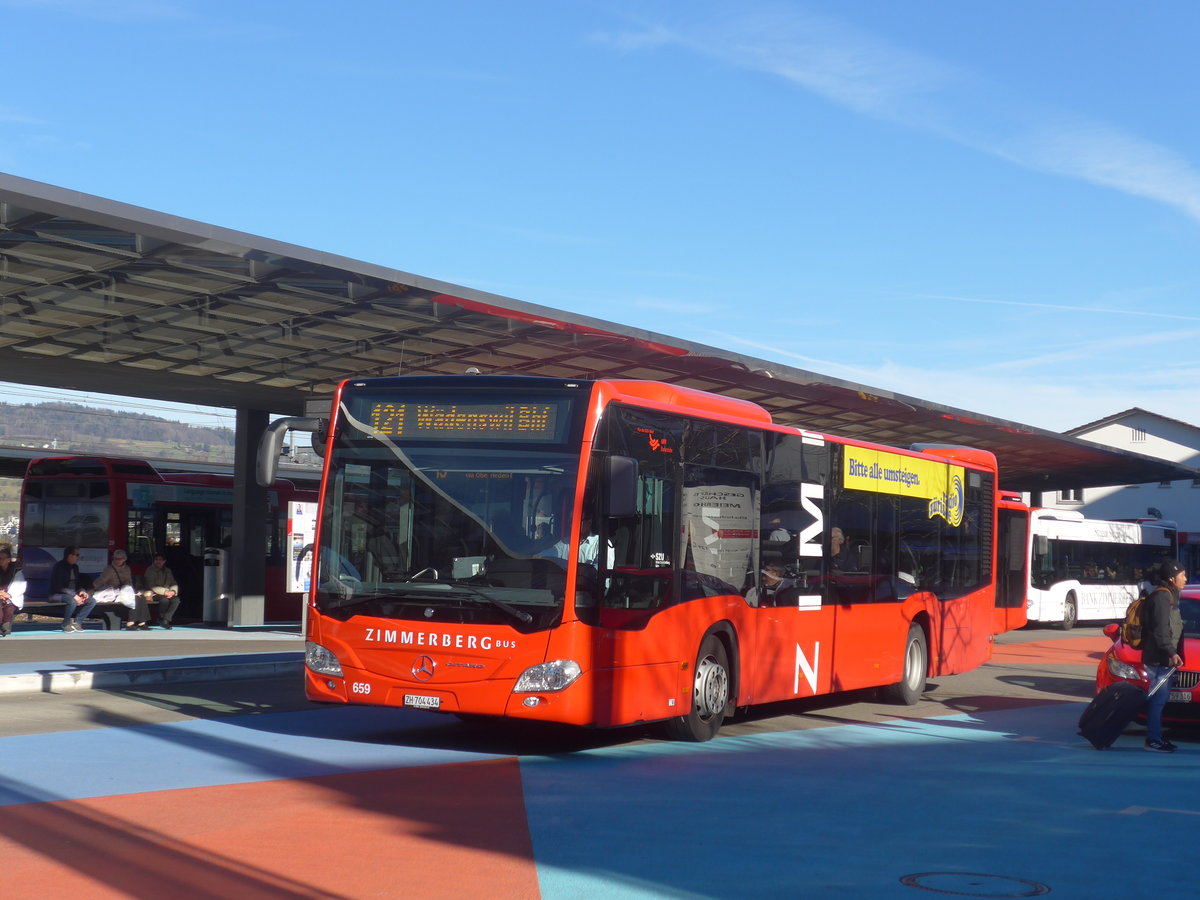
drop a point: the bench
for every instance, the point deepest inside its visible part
(110, 619)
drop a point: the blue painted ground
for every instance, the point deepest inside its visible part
(987, 805)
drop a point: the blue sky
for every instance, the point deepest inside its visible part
(995, 206)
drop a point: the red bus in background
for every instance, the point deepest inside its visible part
(602, 553)
(101, 503)
(1013, 518)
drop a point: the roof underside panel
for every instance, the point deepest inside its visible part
(101, 296)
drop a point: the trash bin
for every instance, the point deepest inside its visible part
(216, 599)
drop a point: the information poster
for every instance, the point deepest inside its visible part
(301, 529)
(890, 473)
(721, 525)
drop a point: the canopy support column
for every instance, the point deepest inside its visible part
(247, 602)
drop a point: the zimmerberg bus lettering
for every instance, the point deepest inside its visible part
(433, 639)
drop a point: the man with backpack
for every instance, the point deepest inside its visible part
(1162, 645)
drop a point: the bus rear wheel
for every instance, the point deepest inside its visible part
(710, 695)
(1070, 612)
(911, 686)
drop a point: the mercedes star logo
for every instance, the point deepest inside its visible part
(423, 668)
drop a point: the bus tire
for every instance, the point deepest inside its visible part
(710, 695)
(1070, 612)
(911, 686)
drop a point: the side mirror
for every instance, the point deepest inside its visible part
(1112, 631)
(620, 486)
(271, 443)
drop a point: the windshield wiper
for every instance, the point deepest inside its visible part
(443, 588)
(471, 590)
(499, 604)
(347, 602)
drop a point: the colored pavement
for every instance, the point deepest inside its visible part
(362, 802)
(40, 657)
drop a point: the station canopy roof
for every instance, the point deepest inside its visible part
(101, 296)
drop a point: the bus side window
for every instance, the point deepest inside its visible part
(849, 549)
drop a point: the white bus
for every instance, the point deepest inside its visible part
(1088, 569)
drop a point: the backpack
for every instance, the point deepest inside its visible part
(1131, 628)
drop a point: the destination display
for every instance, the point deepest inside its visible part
(467, 420)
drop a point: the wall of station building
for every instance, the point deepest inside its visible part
(1149, 434)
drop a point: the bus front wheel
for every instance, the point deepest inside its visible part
(710, 695)
(911, 686)
(1070, 612)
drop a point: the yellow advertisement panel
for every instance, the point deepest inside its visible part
(890, 473)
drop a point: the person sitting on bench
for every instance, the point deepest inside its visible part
(115, 585)
(160, 585)
(67, 587)
(12, 590)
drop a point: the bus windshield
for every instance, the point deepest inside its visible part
(438, 508)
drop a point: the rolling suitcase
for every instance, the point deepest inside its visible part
(1114, 708)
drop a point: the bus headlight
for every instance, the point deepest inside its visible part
(1123, 669)
(320, 660)
(548, 677)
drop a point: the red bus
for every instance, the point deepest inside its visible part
(100, 503)
(602, 553)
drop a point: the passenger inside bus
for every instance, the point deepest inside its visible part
(589, 545)
(843, 557)
(775, 588)
(538, 506)
(774, 530)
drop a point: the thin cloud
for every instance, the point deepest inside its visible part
(838, 369)
(1114, 349)
(14, 116)
(831, 59)
(672, 305)
(124, 11)
(1020, 391)
(1110, 158)
(874, 77)
(1062, 307)
(547, 237)
(664, 275)
(632, 41)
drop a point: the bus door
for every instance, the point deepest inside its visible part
(186, 531)
(1012, 569)
(863, 587)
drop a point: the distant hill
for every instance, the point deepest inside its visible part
(70, 428)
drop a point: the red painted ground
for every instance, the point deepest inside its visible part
(1081, 651)
(449, 831)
